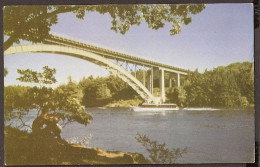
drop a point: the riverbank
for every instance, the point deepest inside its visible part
(22, 149)
(125, 103)
(138, 102)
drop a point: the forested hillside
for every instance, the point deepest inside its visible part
(229, 86)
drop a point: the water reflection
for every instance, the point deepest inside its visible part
(158, 154)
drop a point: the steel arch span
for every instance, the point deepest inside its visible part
(91, 57)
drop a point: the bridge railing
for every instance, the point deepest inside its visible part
(62, 39)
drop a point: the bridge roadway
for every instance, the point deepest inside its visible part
(110, 54)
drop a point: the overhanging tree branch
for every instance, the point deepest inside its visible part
(33, 23)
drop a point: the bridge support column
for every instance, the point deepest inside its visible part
(150, 80)
(178, 80)
(162, 86)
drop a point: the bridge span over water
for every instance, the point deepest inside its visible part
(122, 65)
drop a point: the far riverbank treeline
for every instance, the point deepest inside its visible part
(229, 86)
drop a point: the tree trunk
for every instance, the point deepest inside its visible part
(9, 42)
(37, 125)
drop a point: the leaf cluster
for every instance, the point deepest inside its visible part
(155, 16)
(46, 77)
(5, 71)
(33, 23)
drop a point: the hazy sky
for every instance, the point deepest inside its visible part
(221, 34)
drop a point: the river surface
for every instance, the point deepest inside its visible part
(210, 135)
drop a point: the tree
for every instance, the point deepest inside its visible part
(95, 92)
(89, 92)
(177, 95)
(33, 23)
(14, 98)
(72, 89)
(230, 86)
(100, 91)
(62, 104)
(103, 93)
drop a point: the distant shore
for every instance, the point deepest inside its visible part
(125, 103)
(138, 103)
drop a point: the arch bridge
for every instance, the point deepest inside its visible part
(122, 65)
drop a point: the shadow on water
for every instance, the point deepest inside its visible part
(158, 154)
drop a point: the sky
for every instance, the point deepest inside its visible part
(220, 35)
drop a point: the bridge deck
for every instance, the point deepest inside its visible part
(54, 39)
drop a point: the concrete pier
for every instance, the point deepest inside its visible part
(162, 85)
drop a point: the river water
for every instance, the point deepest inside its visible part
(210, 135)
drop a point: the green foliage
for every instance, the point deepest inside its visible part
(71, 88)
(33, 23)
(46, 77)
(158, 154)
(5, 71)
(230, 86)
(62, 101)
(68, 108)
(15, 99)
(124, 16)
(89, 93)
(126, 103)
(103, 93)
(103, 90)
(177, 95)
(196, 89)
(242, 100)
